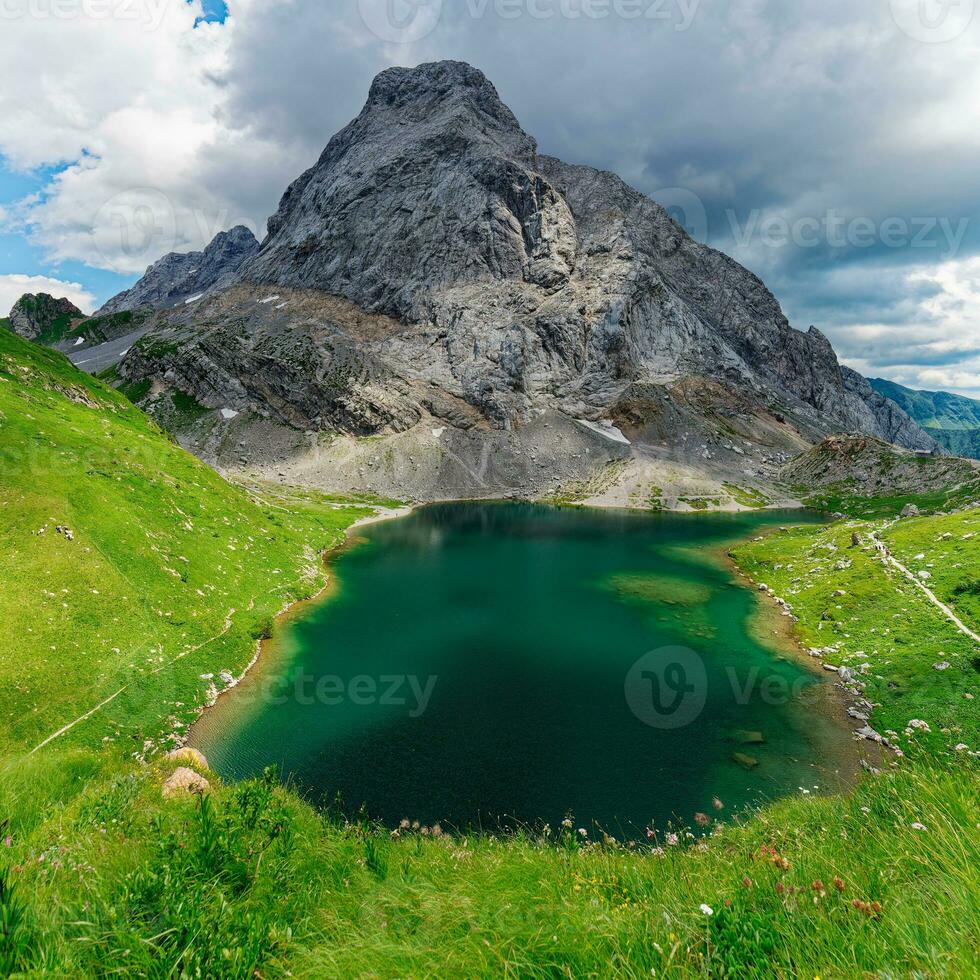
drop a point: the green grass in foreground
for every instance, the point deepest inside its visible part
(884, 882)
(99, 876)
(129, 568)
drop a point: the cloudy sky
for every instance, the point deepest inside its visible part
(832, 146)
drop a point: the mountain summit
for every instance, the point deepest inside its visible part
(432, 273)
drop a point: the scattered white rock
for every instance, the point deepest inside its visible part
(228, 414)
(184, 782)
(269, 299)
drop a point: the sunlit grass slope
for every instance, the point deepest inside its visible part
(129, 568)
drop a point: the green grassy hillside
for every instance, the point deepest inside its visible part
(861, 613)
(169, 572)
(867, 477)
(952, 420)
(129, 568)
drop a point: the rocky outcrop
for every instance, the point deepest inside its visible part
(179, 276)
(184, 782)
(431, 269)
(42, 317)
(870, 467)
(875, 413)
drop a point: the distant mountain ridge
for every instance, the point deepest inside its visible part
(181, 276)
(952, 420)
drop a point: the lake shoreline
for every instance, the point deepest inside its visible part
(772, 626)
(265, 648)
(835, 759)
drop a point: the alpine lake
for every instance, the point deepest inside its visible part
(501, 665)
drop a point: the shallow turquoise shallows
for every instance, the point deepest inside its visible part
(503, 663)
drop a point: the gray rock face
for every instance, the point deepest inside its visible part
(541, 280)
(432, 266)
(41, 316)
(178, 276)
(876, 414)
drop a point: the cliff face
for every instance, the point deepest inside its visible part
(178, 276)
(432, 269)
(43, 318)
(545, 280)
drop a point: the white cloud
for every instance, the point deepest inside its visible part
(938, 346)
(129, 102)
(12, 287)
(172, 133)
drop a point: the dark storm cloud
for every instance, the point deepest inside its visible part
(775, 116)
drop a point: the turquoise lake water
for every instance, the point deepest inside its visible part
(488, 664)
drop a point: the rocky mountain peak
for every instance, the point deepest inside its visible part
(441, 87)
(180, 276)
(433, 275)
(433, 185)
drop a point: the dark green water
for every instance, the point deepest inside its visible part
(519, 628)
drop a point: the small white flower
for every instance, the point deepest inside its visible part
(707, 909)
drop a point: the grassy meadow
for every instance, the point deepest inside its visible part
(129, 568)
(163, 573)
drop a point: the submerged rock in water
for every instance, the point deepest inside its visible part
(745, 761)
